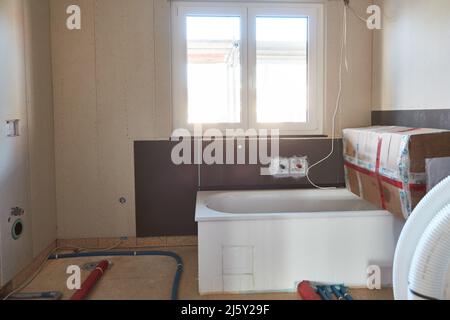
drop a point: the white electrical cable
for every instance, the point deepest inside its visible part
(357, 15)
(343, 61)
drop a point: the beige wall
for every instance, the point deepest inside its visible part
(112, 86)
(411, 56)
(357, 82)
(14, 186)
(26, 94)
(40, 122)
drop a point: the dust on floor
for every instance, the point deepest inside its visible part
(150, 278)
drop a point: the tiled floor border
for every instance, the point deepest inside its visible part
(130, 242)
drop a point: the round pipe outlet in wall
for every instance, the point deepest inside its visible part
(17, 229)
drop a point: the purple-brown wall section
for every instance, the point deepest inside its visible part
(166, 193)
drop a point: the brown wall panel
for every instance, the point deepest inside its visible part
(433, 118)
(330, 173)
(166, 193)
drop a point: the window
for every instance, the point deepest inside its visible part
(238, 65)
(214, 69)
(281, 55)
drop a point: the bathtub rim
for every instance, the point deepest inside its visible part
(205, 214)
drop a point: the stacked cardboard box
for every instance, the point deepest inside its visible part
(386, 165)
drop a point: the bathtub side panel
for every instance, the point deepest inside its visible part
(280, 253)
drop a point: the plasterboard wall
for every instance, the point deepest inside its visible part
(112, 86)
(40, 122)
(15, 251)
(27, 160)
(411, 55)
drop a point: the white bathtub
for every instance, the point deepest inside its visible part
(268, 241)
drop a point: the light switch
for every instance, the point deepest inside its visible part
(12, 128)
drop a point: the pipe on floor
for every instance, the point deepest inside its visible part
(91, 281)
(177, 258)
(50, 295)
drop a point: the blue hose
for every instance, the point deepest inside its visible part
(337, 292)
(179, 271)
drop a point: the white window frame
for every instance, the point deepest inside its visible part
(248, 12)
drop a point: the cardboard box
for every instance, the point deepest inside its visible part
(387, 165)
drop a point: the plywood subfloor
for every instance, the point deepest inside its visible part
(148, 278)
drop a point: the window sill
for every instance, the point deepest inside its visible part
(282, 137)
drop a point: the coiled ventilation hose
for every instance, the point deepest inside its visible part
(179, 261)
(423, 251)
(431, 260)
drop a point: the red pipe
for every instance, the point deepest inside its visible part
(90, 282)
(307, 292)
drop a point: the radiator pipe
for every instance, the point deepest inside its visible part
(177, 258)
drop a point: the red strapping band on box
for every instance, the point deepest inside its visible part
(380, 178)
(377, 175)
(419, 187)
(392, 182)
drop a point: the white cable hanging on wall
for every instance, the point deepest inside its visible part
(343, 62)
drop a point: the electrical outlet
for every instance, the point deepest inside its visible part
(298, 166)
(279, 167)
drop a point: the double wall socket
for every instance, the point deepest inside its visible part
(296, 167)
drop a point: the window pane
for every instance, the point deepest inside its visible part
(282, 69)
(214, 69)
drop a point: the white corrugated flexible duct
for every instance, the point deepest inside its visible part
(431, 261)
(423, 251)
